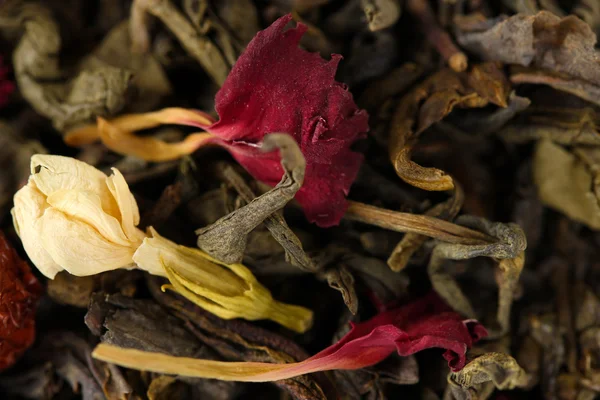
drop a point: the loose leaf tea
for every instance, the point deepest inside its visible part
(299, 199)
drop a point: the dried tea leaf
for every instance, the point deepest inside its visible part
(428, 104)
(241, 17)
(15, 152)
(494, 121)
(406, 330)
(149, 79)
(411, 242)
(393, 83)
(508, 252)
(98, 91)
(72, 290)
(238, 340)
(577, 87)
(547, 333)
(342, 280)
(565, 183)
(499, 369)
(275, 223)
(226, 238)
(543, 40)
(196, 43)
(143, 324)
(588, 310)
(381, 14)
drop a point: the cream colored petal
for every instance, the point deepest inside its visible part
(79, 248)
(157, 252)
(29, 206)
(51, 173)
(85, 206)
(130, 214)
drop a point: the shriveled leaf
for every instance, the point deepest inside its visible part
(425, 323)
(381, 14)
(198, 45)
(565, 183)
(501, 370)
(428, 104)
(543, 40)
(226, 238)
(508, 252)
(101, 90)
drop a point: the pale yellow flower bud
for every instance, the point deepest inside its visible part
(228, 291)
(71, 216)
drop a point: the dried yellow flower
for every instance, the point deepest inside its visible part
(71, 216)
(228, 291)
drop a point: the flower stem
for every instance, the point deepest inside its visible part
(421, 224)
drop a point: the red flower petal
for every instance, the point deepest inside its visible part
(277, 87)
(423, 324)
(19, 293)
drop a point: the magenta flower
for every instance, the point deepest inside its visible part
(274, 87)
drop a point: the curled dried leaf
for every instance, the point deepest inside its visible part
(193, 40)
(508, 252)
(226, 239)
(543, 40)
(498, 369)
(428, 104)
(101, 90)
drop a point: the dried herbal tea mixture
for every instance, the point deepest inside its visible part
(299, 199)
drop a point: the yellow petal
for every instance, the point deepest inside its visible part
(128, 208)
(228, 291)
(51, 173)
(146, 147)
(29, 206)
(85, 206)
(78, 247)
(135, 122)
(199, 368)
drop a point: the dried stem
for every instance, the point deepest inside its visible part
(421, 224)
(438, 37)
(198, 45)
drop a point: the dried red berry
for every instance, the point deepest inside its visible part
(19, 295)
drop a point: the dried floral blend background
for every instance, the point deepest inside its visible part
(307, 199)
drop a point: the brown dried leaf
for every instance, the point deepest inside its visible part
(239, 340)
(381, 14)
(501, 370)
(70, 289)
(577, 87)
(275, 223)
(543, 40)
(565, 183)
(196, 43)
(428, 104)
(508, 252)
(92, 92)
